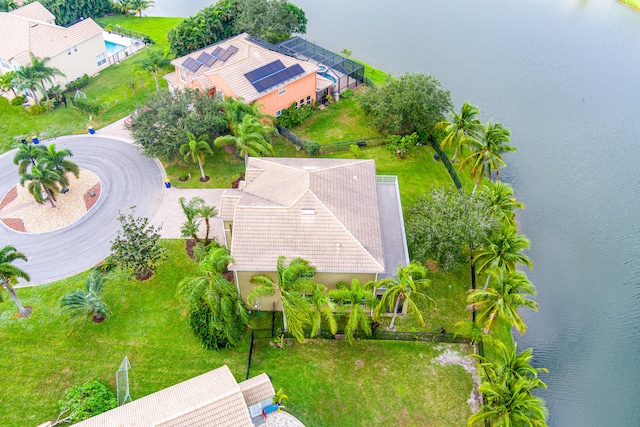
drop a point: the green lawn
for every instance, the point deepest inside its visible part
(155, 27)
(369, 383)
(340, 121)
(376, 75)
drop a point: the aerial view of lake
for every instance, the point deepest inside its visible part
(562, 75)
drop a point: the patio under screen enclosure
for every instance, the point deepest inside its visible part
(344, 72)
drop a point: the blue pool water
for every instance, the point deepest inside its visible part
(113, 48)
(328, 76)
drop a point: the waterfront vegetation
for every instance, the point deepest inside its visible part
(357, 380)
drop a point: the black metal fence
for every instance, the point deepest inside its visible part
(292, 137)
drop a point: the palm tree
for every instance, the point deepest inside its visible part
(321, 308)
(9, 274)
(139, 5)
(511, 404)
(8, 81)
(197, 149)
(508, 363)
(154, 61)
(407, 289)
(26, 78)
(503, 202)
(250, 138)
(487, 152)
(43, 179)
(206, 212)
(7, 5)
(84, 305)
(293, 281)
(192, 225)
(123, 6)
(26, 156)
(227, 315)
(354, 300)
(502, 300)
(57, 160)
(461, 128)
(235, 110)
(502, 251)
(42, 72)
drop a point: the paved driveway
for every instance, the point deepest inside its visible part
(128, 179)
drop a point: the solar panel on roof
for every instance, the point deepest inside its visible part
(217, 52)
(264, 71)
(232, 49)
(191, 65)
(277, 78)
(206, 59)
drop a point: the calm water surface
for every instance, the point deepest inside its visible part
(563, 76)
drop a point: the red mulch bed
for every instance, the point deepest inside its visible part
(9, 197)
(89, 200)
(14, 223)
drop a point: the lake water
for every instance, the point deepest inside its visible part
(563, 76)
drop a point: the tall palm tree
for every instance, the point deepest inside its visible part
(197, 149)
(461, 128)
(155, 61)
(8, 81)
(250, 136)
(206, 212)
(57, 160)
(321, 309)
(192, 225)
(9, 274)
(139, 5)
(227, 315)
(408, 288)
(496, 140)
(43, 72)
(503, 202)
(87, 304)
(511, 404)
(502, 300)
(508, 363)
(43, 179)
(27, 78)
(502, 250)
(293, 281)
(26, 156)
(354, 302)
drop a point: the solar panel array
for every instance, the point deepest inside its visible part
(206, 59)
(224, 54)
(264, 71)
(275, 78)
(191, 64)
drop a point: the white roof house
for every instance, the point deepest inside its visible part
(75, 50)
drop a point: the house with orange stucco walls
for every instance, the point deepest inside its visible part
(243, 68)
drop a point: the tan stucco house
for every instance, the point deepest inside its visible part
(241, 67)
(211, 399)
(75, 50)
(335, 213)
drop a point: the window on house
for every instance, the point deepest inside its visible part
(301, 102)
(183, 77)
(282, 90)
(309, 100)
(101, 59)
(279, 113)
(219, 94)
(5, 64)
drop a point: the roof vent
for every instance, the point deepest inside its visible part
(308, 211)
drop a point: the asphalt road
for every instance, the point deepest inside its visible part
(128, 179)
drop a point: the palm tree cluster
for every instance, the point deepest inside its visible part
(136, 7)
(196, 210)
(45, 169)
(34, 76)
(306, 303)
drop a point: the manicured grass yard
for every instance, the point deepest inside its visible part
(369, 383)
(155, 27)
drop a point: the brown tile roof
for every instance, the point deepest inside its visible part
(248, 57)
(323, 210)
(257, 389)
(35, 11)
(43, 39)
(211, 399)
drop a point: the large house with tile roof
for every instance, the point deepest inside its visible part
(241, 67)
(211, 399)
(75, 50)
(337, 214)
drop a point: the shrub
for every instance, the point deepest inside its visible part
(47, 106)
(18, 100)
(399, 145)
(88, 105)
(347, 93)
(355, 150)
(87, 400)
(34, 109)
(78, 83)
(293, 116)
(311, 147)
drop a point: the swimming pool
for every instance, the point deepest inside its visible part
(328, 76)
(113, 48)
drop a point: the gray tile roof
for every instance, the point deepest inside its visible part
(211, 399)
(323, 210)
